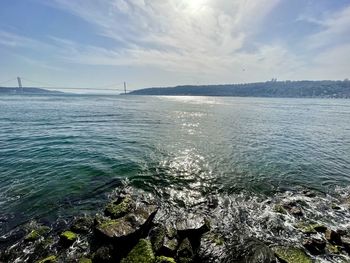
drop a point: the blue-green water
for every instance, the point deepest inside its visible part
(61, 155)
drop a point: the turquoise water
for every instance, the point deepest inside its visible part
(61, 155)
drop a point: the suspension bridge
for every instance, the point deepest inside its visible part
(17, 83)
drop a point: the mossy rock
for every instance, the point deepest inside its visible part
(163, 259)
(68, 237)
(311, 228)
(185, 251)
(82, 224)
(291, 254)
(35, 234)
(141, 253)
(279, 209)
(118, 209)
(157, 236)
(333, 249)
(85, 260)
(50, 259)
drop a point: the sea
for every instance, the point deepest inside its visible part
(61, 155)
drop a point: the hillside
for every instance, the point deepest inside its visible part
(26, 90)
(282, 89)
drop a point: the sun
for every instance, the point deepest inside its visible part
(195, 5)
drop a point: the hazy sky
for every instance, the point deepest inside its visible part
(93, 43)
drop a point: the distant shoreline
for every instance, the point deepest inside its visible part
(269, 89)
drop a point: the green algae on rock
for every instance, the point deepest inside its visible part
(312, 228)
(50, 259)
(68, 237)
(291, 254)
(185, 251)
(118, 209)
(141, 253)
(157, 236)
(163, 259)
(85, 260)
(37, 233)
(127, 225)
(82, 224)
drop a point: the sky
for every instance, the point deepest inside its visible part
(96, 44)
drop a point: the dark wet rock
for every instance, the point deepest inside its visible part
(336, 207)
(163, 259)
(192, 224)
(310, 194)
(315, 246)
(296, 211)
(213, 202)
(36, 233)
(141, 253)
(67, 238)
(185, 252)
(127, 226)
(103, 255)
(120, 208)
(291, 255)
(332, 237)
(49, 259)
(169, 246)
(82, 225)
(294, 208)
(157, 235)
(320, 228)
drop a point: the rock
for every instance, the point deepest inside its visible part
(212, 248)
(332, 237)
(120, 208)
(296, 211)
(169, 246)
(346, 244)
(141, 253)
(309, 194)
(127, 226)
(332, 249)
(320, 228)
(279, 209)
(315, 246)
(68, 238)
(85, 260)
(163, 259)
(192, 224)
(50, 259)
(157, 236)
(82, 225)
(102, 255)
(37, 233)
(185, 252)
(311, 228)
(336, 207)
(258, 252)
(291, 255)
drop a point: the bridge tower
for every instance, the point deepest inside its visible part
(20, 84)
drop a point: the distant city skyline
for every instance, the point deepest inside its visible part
(90, 43)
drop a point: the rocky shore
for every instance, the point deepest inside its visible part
(136, 227)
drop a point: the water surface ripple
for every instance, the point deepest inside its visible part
(60, 155)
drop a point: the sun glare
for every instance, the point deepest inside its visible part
(195, 5)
